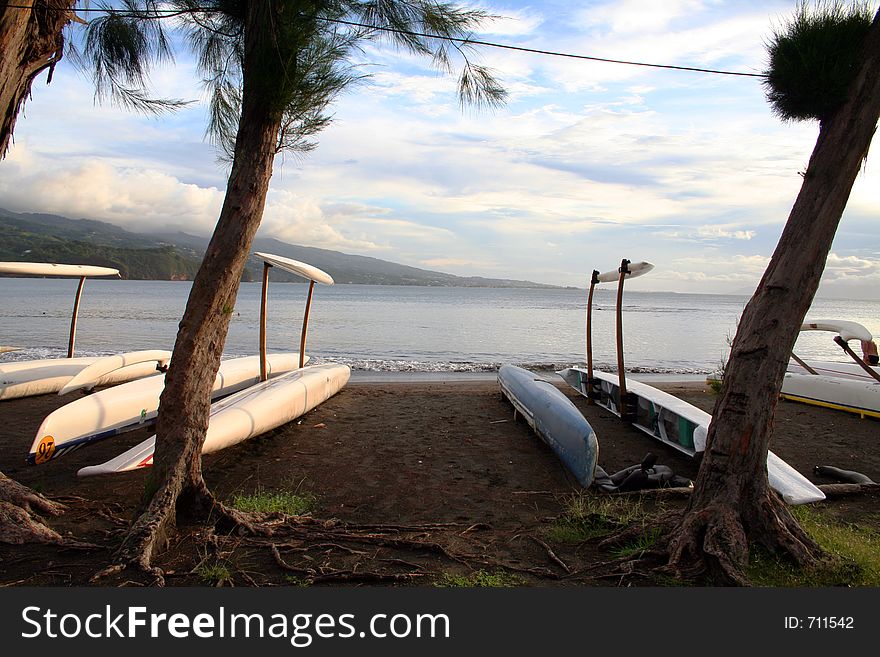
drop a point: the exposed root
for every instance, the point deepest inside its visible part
(332, 551)
(18, 527)
(19, 522)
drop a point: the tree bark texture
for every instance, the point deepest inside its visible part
(732, 504)
(176, 478)
(31, 41)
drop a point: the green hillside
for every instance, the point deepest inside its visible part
(22, 242)
(177, 256)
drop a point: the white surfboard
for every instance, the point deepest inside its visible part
(52, 269)
(681, 425)
(131, 405)
(246, 414)
(636, 269)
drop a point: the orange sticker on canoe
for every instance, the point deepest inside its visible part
(45, 450)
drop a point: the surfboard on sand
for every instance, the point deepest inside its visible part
(129, 406)
(683, 426)
(555, 420)
(251, 412)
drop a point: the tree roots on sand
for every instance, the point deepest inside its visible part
(711, 543)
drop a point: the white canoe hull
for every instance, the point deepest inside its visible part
(128, 406)
(246, 414)
(41, 377)
(681, 425)
(860, 396)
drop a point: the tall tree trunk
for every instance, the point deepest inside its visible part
(31, 41)
(732, 503)
(176, 478)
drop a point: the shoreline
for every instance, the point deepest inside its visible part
(359, 377)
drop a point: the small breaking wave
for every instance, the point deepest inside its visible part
(403, 365)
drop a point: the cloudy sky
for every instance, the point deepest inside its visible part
(588, 162)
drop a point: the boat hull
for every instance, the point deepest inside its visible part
(555, 420)
(131, 405)
(50, 375)
(853, 395)
(248, 413)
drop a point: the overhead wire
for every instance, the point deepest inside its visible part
(171, 13)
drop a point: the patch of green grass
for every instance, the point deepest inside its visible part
(854, 556)
(639, 546)
(294, 580)
(588, 516)
(214, 574)
(480, 578)
(292, 504)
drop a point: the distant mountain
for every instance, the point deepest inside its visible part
(176, 256)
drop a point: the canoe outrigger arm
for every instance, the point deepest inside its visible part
(591, 392)
(313, 274)
(52, 269)
(626, 270)
(846, 331)
(870, 370)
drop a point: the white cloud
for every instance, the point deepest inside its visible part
(587, 164)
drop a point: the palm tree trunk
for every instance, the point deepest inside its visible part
(176, 481)
(732, 503)
(31, 41)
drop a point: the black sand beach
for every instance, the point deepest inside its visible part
(411, 480)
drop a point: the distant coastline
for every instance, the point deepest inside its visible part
(177, 256)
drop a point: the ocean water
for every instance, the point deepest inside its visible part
(407, 329)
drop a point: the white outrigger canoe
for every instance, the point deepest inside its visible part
(48, 375)
(845, 386)
(664, 417)
(251, 403)
(678, 424)
(135, 404)
(246, 414)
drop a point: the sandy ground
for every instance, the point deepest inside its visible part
(411, 480)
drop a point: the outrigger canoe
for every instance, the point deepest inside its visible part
(265, 405)
(246, 414)
(682, 426)
(666, 418)
(852, 386)
(124, 408)
(135, 404)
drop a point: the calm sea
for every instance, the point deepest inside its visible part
(405, 329)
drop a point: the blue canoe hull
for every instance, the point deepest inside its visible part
(554, 418)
